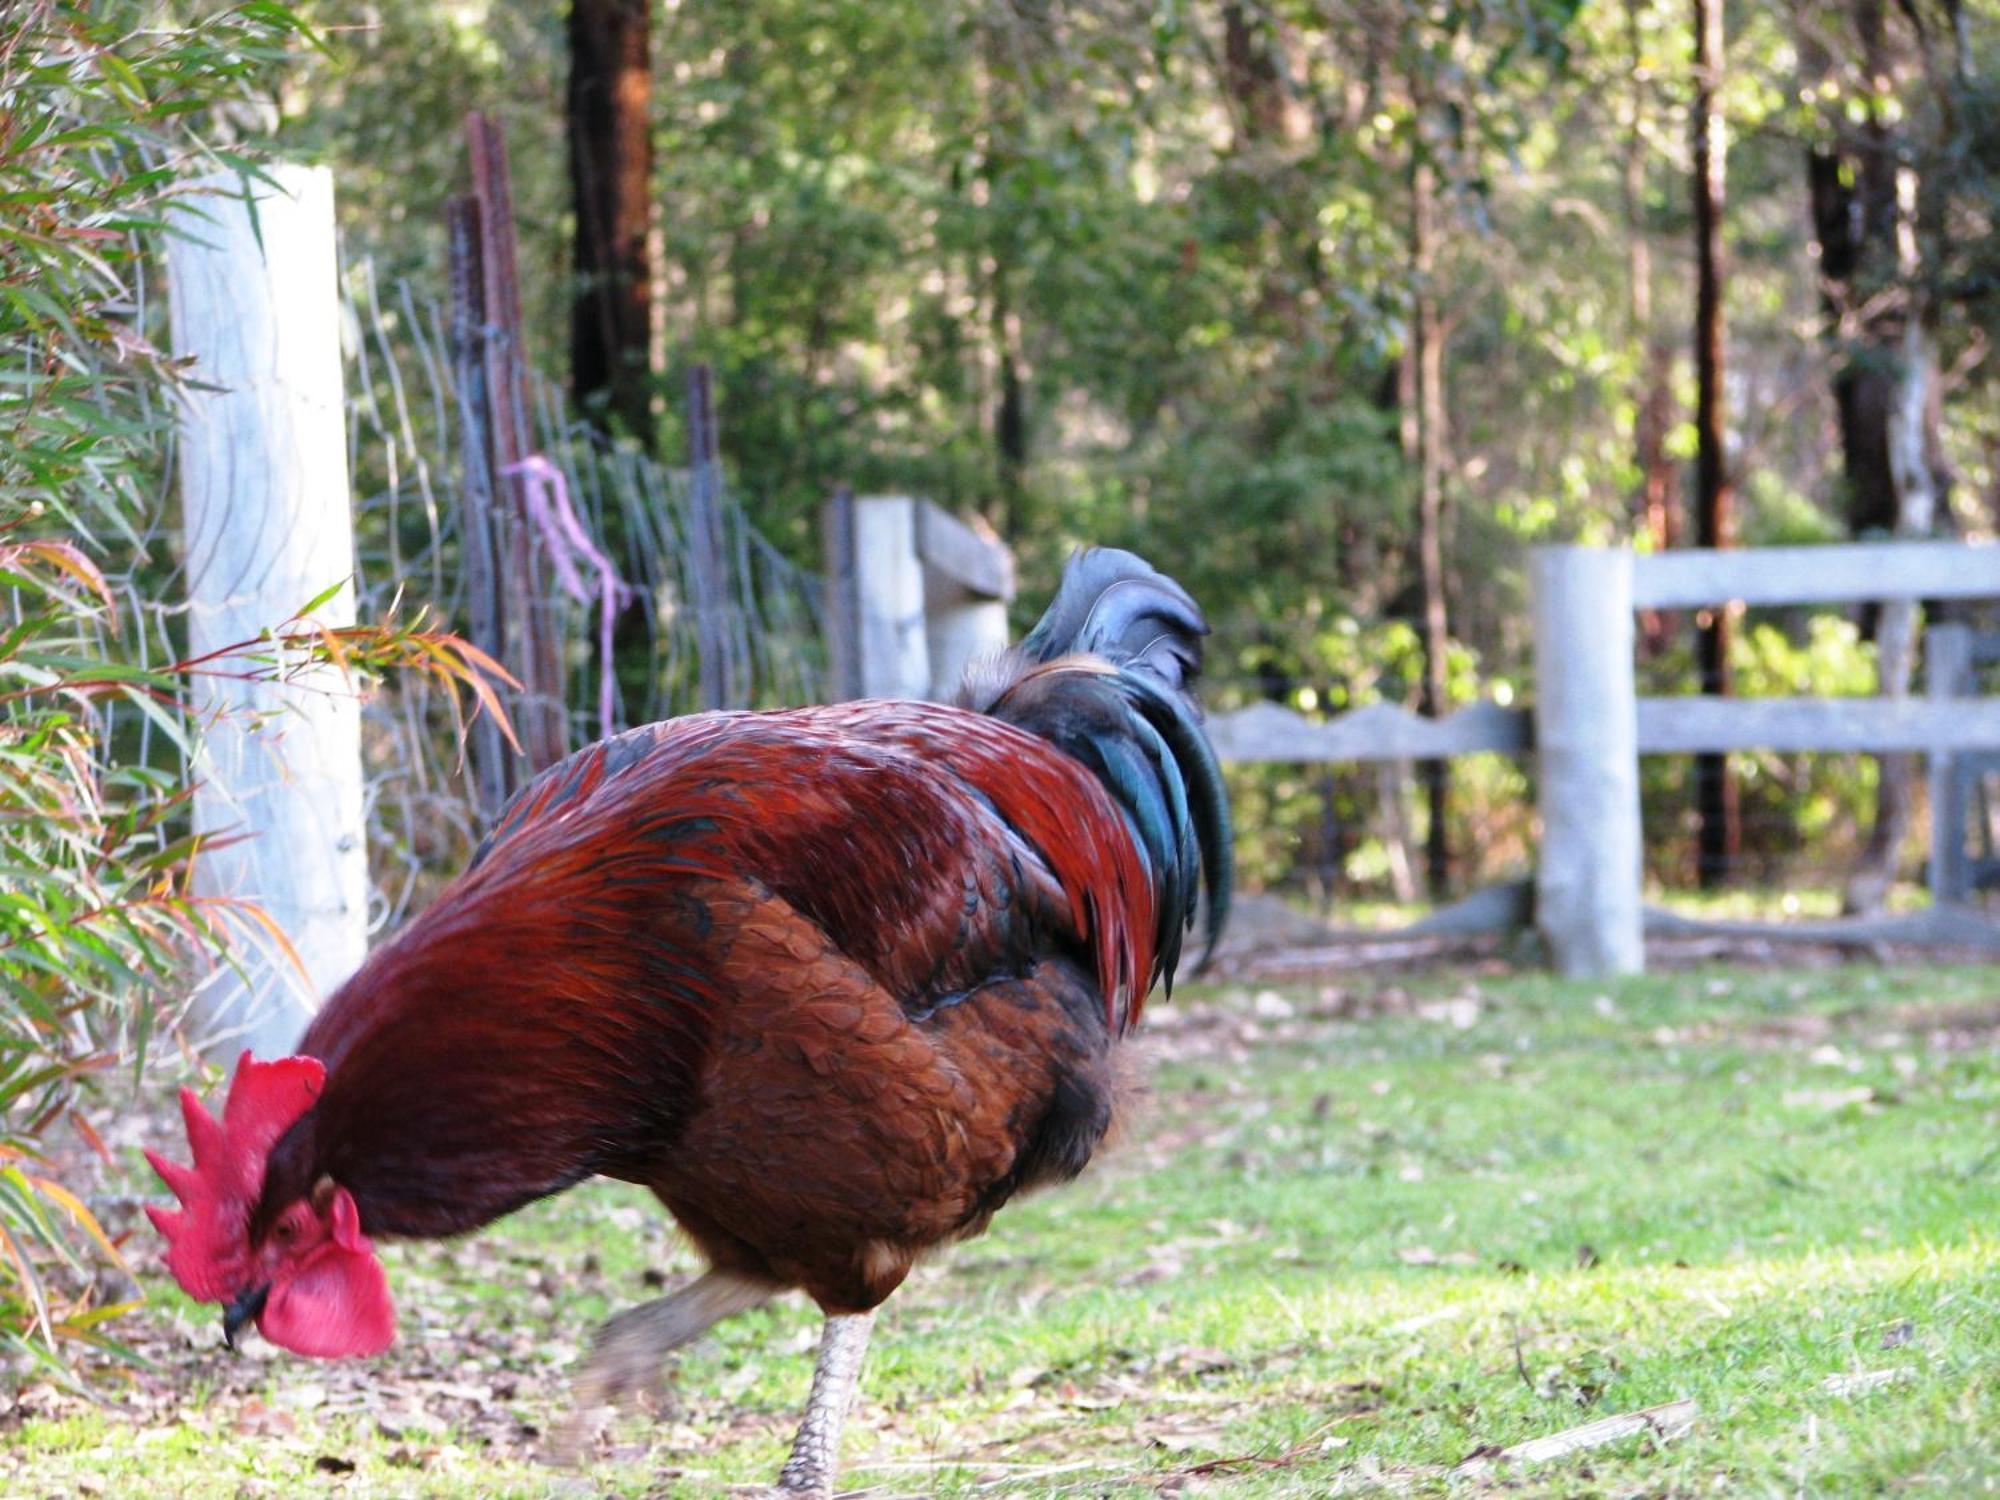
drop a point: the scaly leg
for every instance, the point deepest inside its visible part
(809, 1471)
(628, 1352)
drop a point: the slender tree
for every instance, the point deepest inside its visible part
(1715, 790)
(1427, 351)
(1656, 505)
(1872, 285)
(611, 174)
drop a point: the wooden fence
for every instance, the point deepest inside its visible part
(1589, 726)
(913, 596)
(1954, 656)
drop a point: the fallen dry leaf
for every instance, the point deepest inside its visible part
(1423, 1255)
(1829, 1099)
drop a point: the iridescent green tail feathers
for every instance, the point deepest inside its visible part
(1107, 675)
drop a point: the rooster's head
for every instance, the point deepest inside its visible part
(302, 1268)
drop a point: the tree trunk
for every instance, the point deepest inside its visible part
(1427, 339)
(1656, 508)
(1010, 411)
(1853, 188)
(1659, 509)
(1884, 386)
(1391, 778)
(611, 175)
(1004, 387)
(1638, 252)
(1719, 835)
(1255, 63)
(1908, 438)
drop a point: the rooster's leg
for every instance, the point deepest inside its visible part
(809, 1471)
(628, 1352)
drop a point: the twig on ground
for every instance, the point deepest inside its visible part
(1668, 1420)
(1520, 1361)
(1860, 1382)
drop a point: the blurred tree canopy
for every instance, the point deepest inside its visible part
(1157, 274)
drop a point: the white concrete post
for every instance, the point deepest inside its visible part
(264, 491)
(960, 626)
(1587, 881)
(889, 588)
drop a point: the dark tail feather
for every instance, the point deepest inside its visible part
(1138, 726)
(1116, 605)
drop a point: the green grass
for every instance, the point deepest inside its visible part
(1359, 1236)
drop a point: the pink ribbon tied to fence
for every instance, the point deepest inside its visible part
(556, 523)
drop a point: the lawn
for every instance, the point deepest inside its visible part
(1367, 1237)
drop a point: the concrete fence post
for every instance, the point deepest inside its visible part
(885, 651)
(1947, 675)
(961, 628)
(914, 596)
(255, 304)
(1587, 882)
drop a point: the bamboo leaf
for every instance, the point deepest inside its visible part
(79, 1215)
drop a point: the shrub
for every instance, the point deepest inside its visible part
(99, 112)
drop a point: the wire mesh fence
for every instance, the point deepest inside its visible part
(616, 567)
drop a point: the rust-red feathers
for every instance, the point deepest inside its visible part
(834, 981)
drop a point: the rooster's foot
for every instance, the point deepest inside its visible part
(627, 1359)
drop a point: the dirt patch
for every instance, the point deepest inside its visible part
(1271, 942)
(1248, 1016)
(1961, 1027)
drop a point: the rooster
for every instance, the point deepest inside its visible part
(834, 983)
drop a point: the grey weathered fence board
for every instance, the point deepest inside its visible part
(1940, 926)
(979, 564)
(1669, 726)
(1848, 574)
(1587, 879)
(914, 596)
(1948, 653)
(1506, 906)
(1381, 731)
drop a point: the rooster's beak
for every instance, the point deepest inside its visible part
(248, 1304)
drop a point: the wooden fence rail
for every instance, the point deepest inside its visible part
(1380, 731)
(1666, 726)
(1588, 727)
(1849, 574)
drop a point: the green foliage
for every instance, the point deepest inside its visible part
(95, 915)
(1144, 275)
(99, 926)
(386, 106)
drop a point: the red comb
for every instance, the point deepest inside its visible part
(206, 1245)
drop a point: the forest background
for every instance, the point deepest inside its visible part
(1333, 309)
